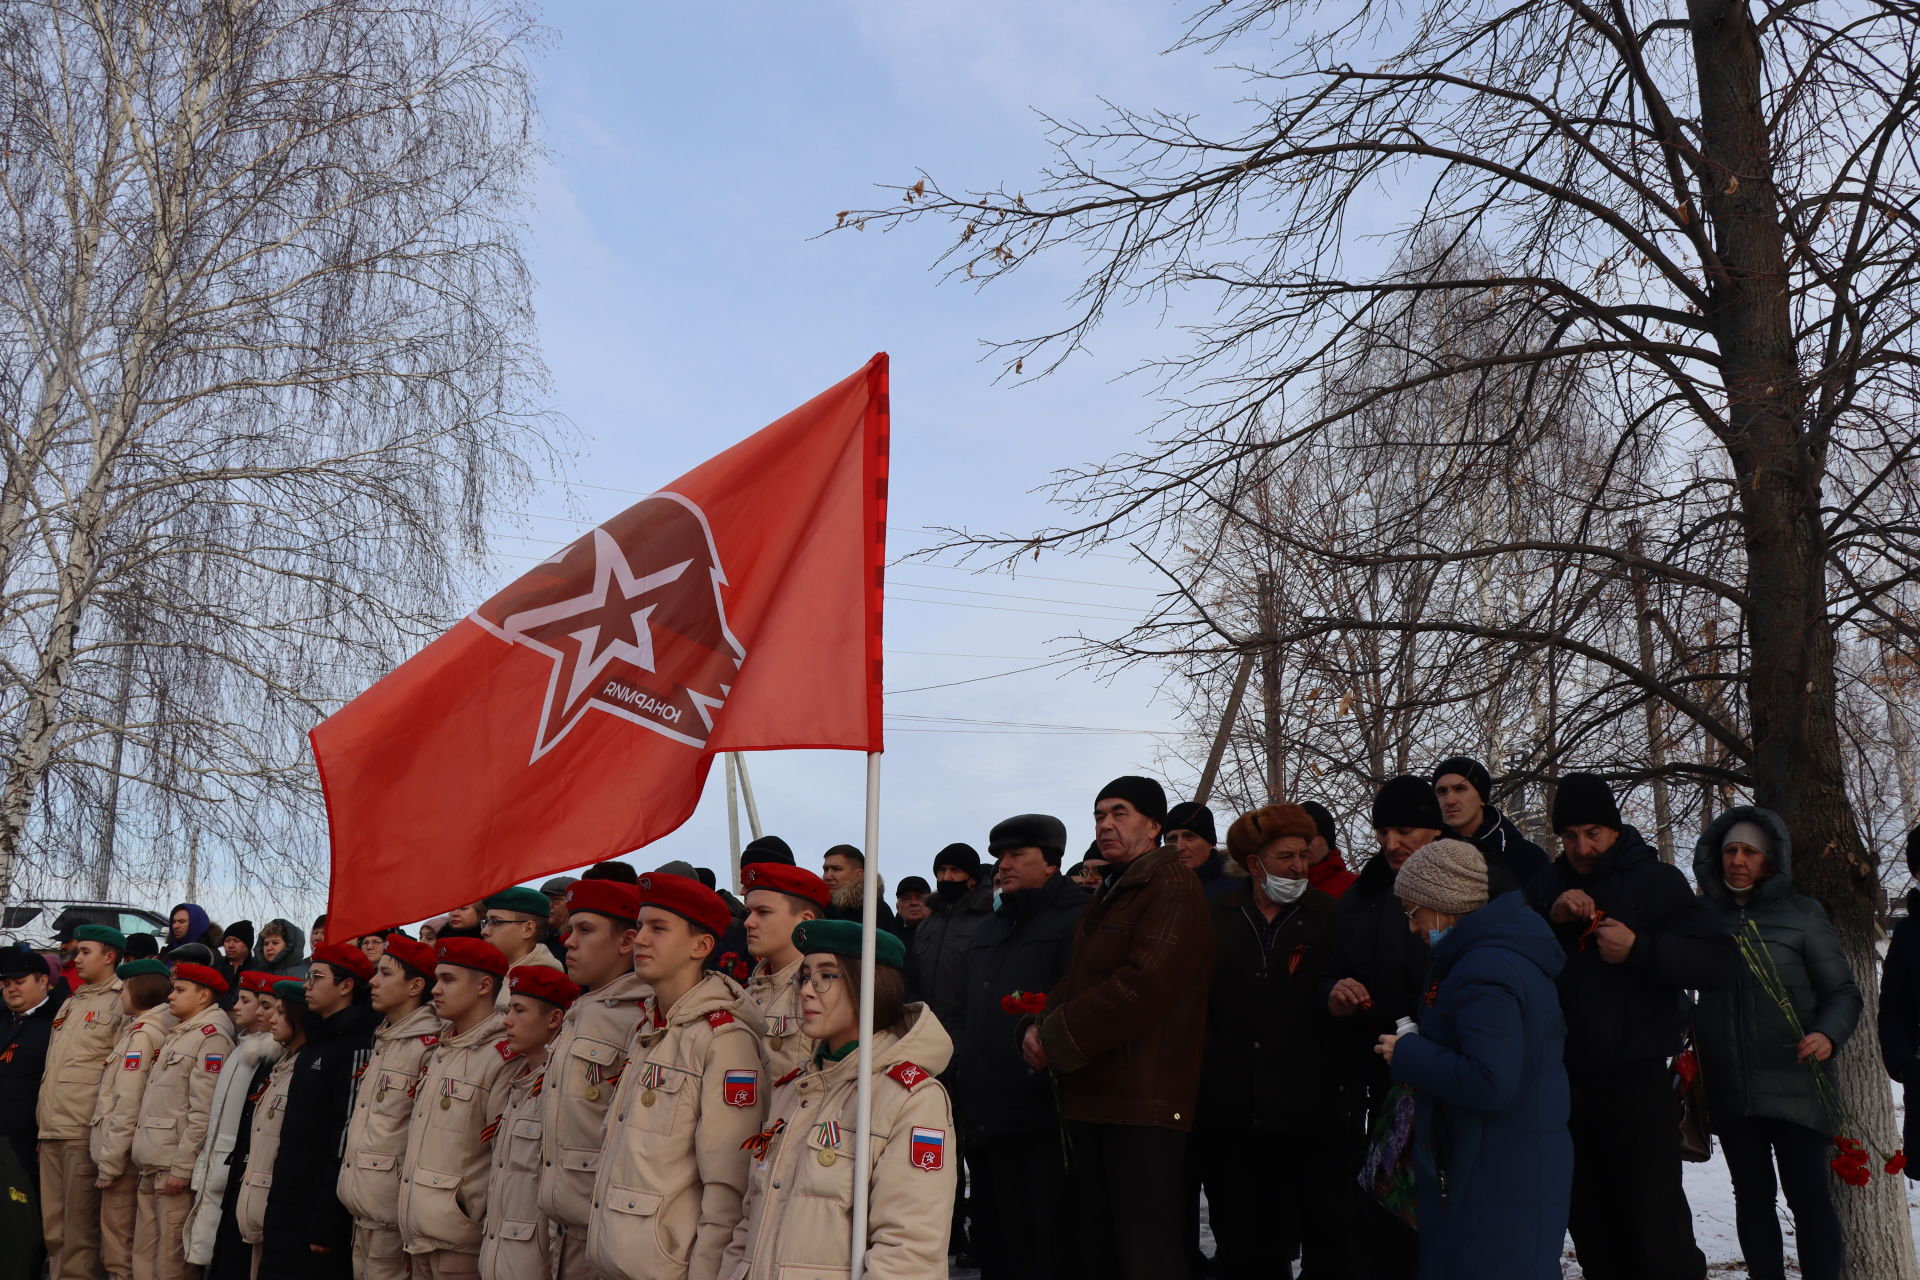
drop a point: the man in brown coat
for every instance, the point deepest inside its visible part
(84, 1033)
(1125, 1028)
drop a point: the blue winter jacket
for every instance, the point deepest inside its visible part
(1492, 1156)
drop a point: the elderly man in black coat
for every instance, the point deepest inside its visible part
(1009, 1123)
(32, 1000)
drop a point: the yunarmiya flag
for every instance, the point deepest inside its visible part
(574, 715)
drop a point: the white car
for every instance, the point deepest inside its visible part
(39, 922)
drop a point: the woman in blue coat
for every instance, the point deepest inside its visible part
(1492, 1158)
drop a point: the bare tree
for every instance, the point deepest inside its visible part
(1703, 211)
(266, 354)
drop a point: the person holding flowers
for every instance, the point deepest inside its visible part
(1764, 1042)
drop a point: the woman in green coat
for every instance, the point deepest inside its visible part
(1762, 1097)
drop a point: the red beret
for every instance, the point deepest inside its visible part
(411, 952)
(796, 882)
(604, 897)
(686, 898)
(345, 956)
(261, 984)
(186, 971)
(471, 953)
(543, 983)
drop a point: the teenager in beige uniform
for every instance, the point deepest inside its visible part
(173, 1121)
(443, 1180)
(83, 1037)
(799, 1216)
(519, 1244)
(674, 1165)
(587, 1059)
(288, 1025)
(514, 920)
(144, 987)
(369, 1187)
(779, 900)
(255, 1046)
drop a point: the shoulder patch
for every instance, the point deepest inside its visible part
(719, 1018)
(430, 1040)
(506, 1050)
(908, 1075)
(208, 1030)
(791, 1075)
(214, 1061)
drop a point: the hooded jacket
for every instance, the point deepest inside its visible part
(116, 1103)
(937, 956)
(1635, 1011)
(293, 960)
(198, 924)
(1505, 849)
(305, 1207)
(1492, 1155)
(1748, 1056)
(799, 1207)
(1025, 946)
(1330, 875)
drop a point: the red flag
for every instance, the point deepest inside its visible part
(573, 716)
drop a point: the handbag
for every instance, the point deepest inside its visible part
(1690, 1091)
(1387, 1173)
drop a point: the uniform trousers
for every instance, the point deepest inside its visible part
(378, 1252)
(1626, 1172)
(159, 1230)
(1128, 1181)
(70, 1209)
(117, 1210)
(570, 1255)
(446, 1264)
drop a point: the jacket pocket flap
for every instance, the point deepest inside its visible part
(465, 1090)
(596, 1051)
(379, 1160)
(671, 1078)
(261, 1178)
(396, 1080)
(159, 1122)
(800, 1271)
(516, 1230)
(526, 1127)
(580, 1158)
(632, 1200)
(428, 1178)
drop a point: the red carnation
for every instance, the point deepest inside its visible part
(1687, 1067)
(1897, 1163)
(1024, 1003)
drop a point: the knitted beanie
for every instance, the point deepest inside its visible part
(1449, 876)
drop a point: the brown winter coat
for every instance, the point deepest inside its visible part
(786, 1045)
(443, 1182)
(1127, 1023)
(116, 1104)
(178, 1102)
(799, 1212)
(519, 1243)
(673, 1171)
(586, 1058)
(84, 1032)
(369, 1185)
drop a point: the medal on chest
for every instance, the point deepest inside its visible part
(651, 1078)
(829, 1132)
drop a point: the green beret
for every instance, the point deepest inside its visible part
(290, 990)
(105, 935)
(842, 938)
(134, 968)
(530, 902)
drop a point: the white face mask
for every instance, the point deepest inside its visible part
(1282, 890)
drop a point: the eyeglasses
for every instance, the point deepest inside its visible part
(821, 982)
(495, 922)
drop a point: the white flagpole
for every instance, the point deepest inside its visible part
(733, 820)
(746, 789)
(863, 1089)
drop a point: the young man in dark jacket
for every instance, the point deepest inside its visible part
(1124, 1028)
(1637, 940)
(1900, 1007)
(1009, 1123)
(1268, 1112)
(1465, 789)
(309, 1233)
(937, 955)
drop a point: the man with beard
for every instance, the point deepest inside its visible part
(844, 868)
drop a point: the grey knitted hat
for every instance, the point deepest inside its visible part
(1448, 875)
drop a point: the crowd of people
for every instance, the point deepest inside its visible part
(1440, 1062)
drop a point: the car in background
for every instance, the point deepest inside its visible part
(39, 922)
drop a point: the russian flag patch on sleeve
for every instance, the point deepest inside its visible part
(213, 1062)
(132, 1061)
(928, 1149)
(740, 1088)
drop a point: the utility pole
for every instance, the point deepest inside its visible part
(1270, 688)
(1656, 748)
(1225, 731)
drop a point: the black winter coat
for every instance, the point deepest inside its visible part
(1749, 1056)
(1022, 947)
(1373, 946)
(303, 1207)
(1216, 881)
(1506, 850)
(1271, 1062)
(937, 957)
(1635, 1011)
(1900, 1016)
(23, 1059)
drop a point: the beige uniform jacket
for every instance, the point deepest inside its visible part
(83, 1038)
(443, 1179)
(799, 1212)
(116, 1103)
(369, 1184)
(263, 1146)
(787, 1046)
(584, 1066)
(212, 1170)
(538, 958)
(518, 1244)
(674, 1167)
(178, 1100)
